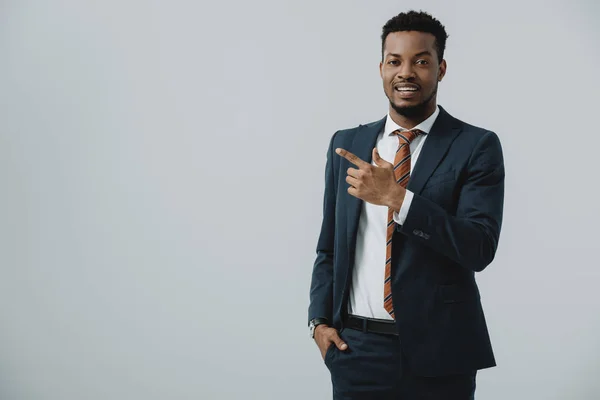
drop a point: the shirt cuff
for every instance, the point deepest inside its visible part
(400, 217)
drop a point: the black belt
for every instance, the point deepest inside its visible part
(383, 326)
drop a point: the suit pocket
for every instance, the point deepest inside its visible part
(442, 177)
(329, 353)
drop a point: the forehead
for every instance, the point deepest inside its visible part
(407, 43)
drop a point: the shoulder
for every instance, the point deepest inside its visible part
(482, 143)
(475, 134)
(349, 133)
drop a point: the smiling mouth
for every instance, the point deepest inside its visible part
(405, 89)
(406, 92)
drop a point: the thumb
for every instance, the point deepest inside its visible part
(339, 342)
(377, 158)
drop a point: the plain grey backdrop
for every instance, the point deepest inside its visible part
(162, 170)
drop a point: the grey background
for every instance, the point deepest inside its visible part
(161, 170)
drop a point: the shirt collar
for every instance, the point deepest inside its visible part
(425, 126)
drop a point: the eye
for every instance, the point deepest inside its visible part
(393, 62)
(422, 62)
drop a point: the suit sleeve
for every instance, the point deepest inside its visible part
(470, 237)
(321, 288)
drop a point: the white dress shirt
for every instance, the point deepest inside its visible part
(366, 290)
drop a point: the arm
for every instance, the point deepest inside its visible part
(321, 288)
(471, 236)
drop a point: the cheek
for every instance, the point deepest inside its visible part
(429, 78)
(427, 85)
(387, 79)
(386, 84)
(387, 75)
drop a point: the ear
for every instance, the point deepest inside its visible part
(381, 69)
(442, 70)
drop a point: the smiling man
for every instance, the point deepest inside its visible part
(412, 210)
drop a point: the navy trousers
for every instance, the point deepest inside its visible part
(372, 368)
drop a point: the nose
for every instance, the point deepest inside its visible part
(405, 71)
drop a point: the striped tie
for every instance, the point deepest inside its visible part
(402, 174)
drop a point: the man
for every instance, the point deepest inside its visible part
(412, 209)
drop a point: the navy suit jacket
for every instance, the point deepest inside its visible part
(451, 231)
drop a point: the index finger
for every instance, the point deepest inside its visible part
(351, 157)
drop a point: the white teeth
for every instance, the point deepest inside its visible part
(406, 89)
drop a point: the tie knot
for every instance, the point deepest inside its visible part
(408, 136)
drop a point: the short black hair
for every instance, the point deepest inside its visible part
(417, 21)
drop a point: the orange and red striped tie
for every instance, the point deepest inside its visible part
(402, 174)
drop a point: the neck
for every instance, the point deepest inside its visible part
(408, 120)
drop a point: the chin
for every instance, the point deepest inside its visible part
(412, 109)
(404, 104)
(408, 103)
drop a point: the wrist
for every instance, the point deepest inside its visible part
(316, 323)
(397, 198)
(320, 327)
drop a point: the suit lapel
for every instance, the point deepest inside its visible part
(362, 146)
(442, 133)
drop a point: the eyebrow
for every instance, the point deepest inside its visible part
(422, 53)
